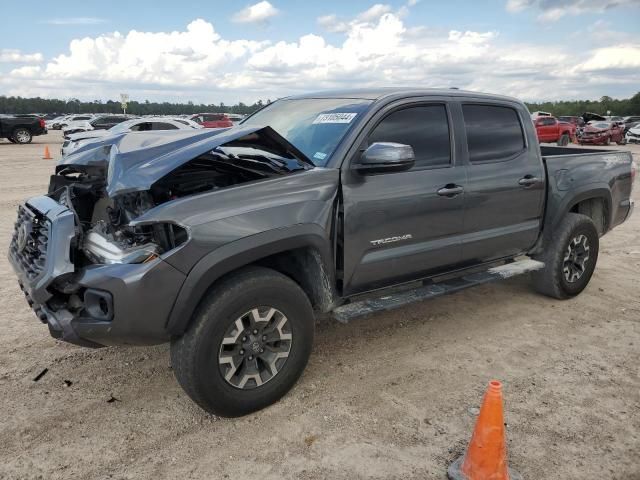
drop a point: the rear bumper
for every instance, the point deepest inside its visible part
(125, 304)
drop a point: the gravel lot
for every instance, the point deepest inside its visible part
(389, 396)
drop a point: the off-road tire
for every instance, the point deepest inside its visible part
(551, 279)
(22, 136)
(564, 140)
(195, 355)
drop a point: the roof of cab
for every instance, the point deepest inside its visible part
(385, 92)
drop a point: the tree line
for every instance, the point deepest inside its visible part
(46, 105)
(628, 106)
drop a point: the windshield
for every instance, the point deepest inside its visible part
(600, 125)
(313, 125)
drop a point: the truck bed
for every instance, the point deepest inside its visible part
(570, 171)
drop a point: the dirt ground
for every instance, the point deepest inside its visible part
(388, 396)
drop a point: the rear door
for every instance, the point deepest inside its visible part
(401, 226)
(504, 195)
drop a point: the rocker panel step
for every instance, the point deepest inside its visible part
(346, 312)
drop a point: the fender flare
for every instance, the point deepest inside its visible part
(237, 254)
(597, 190)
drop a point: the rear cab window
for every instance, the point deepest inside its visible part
(494, 132)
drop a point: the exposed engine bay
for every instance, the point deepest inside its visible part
(104, 234)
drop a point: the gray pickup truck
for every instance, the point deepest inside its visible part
(227, 243)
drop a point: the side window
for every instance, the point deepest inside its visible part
(493, 132)
(425, 128)
(141, 127)
(162, 126)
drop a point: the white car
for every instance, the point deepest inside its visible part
(633, 135)
(78, 125)
(49, 123)
(136, 125)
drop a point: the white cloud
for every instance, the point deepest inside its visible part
(333, 24)
(552, 11)
(8, 55)
(256, 13)
(75, 21)
(376, 50)
(373, 13)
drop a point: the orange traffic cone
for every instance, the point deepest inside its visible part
(47, 154)
(486, 456)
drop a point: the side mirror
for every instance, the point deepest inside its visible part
(383, 157)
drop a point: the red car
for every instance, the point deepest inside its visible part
(212, 120)
(549, 130)
(602, 133)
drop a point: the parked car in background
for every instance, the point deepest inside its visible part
(236, 117)
(602, 133)
(537, 114)
(550, 130)
(21, 129)
(77, 140)
(212, 120)
(633, 134)
(59, 125)
(54, 121)
(102, 122)
(630, 122)
(575, 120)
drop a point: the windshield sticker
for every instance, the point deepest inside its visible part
(334, 118)
(320, 155)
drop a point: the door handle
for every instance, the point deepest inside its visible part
(450, 190)
(528, 180)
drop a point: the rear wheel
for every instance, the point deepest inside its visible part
(22, 136)
(249, 341)
(570, 258)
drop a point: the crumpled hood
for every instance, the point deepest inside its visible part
(136, 160)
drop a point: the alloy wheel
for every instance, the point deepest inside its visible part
(255, 348)
(575, 258)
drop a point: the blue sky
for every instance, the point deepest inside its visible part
(535, 49)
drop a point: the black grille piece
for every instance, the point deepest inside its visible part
(29, 243)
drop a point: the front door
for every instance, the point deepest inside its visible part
(404, 225)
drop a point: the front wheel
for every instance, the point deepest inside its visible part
(570, 258)
(564, 140)
(22, 136)
(248, 343)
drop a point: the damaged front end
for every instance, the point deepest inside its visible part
(93, 273)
